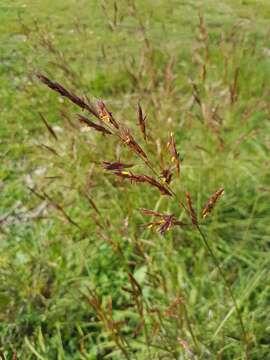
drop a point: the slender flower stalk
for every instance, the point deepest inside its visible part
(229, 289)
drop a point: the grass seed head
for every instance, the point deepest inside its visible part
(192, 213)
(149, 212)
(85, 121)
(129, 140)
(105, 115)
(212, 202)
(166, 176)
(164, 223)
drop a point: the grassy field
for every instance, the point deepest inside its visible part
(80, 277)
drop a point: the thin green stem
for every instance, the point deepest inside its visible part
(191, 330)
(228, 287)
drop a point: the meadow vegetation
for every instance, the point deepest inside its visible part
(134, 204)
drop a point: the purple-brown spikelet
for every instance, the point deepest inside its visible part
(174, 154)
(191, 210)
(164, 222)
(105, 115)
(141, 120)
(55, 86)
(143, 179)
(129, 140)
(166, 176)
(84, 120)
(212, 202)
(167, 224)
(149, 212)
(163, 190)
(115, 166)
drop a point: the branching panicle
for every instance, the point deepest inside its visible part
(161, 181)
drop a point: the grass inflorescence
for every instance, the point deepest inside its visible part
(136, 226)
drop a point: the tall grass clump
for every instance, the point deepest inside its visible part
(186, 217)
(149, 206)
